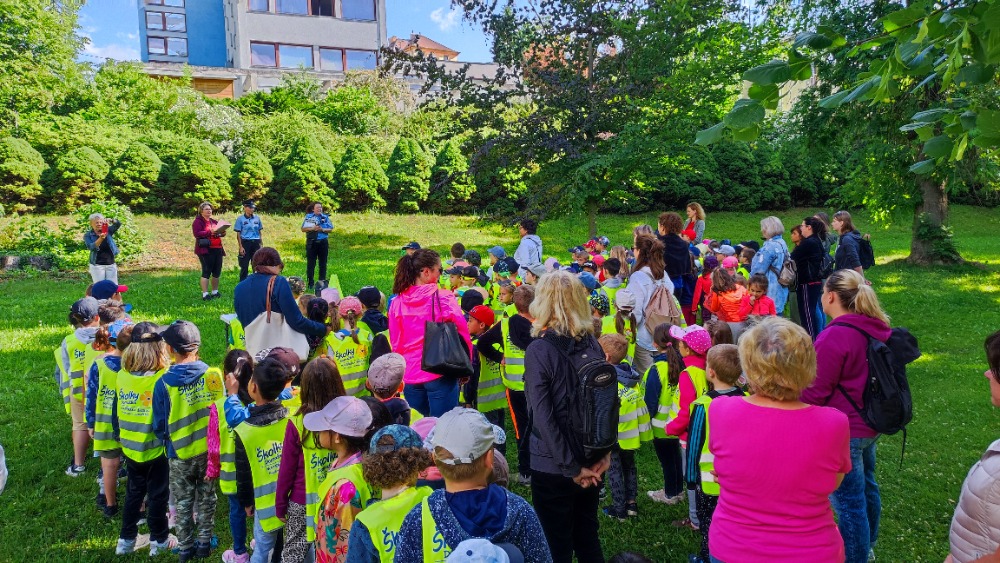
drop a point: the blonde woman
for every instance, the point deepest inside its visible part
(696, 221)
(777, 458)
(621, 253)
(565, 488)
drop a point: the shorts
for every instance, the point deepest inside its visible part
(109, 454)
(76, 411)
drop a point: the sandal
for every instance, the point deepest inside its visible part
(684, 523)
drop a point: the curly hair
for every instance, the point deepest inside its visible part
(398, 467)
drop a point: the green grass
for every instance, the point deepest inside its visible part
(45, 515)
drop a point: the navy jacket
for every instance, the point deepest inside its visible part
(250, 300)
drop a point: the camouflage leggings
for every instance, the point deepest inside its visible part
(192, 494)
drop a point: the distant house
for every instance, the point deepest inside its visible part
(425, 44)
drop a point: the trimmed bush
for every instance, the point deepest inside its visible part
(306, 176)
(135, 174)
(21, 168)
(78, 178)
(252, 176)
(360, 179)
(198, 172)
(451, 185)
(349, 110)
(409, 175)
(130, 241)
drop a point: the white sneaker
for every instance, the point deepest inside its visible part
(125, 546)
(155, 548)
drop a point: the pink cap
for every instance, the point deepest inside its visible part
(331, 295)
(350, 304)
(696, 338)
(730, 262)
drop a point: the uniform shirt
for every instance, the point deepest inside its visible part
(249, 228)
(323, 220)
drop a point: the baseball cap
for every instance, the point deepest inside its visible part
(603, 240)
(598, 260)
(551, 265)
(590, 245)
(689, 233)
(479, 550)
(331, 295)
(537, 269)
(350, 304)
(730, 262)
(297, 284)
(696, 338)
(386, 372)
(470, 272)
(115, 328)
(104, 289)
(471, 299)
(466, 434)
(599, 301)
(412, 245)
(454, 271)
(575, 249)
(498, 251)
(424, 427)
(624, 299)
(286, 356)
(589, 264)
(695, 251)
(147, 332)
(501, 267)
(249, 203)
(472, 257)
(370, 296)
(588, 280)
(726, 250)
(483, 314)
(393, 438)
(703, 248)
(346, 415)
(182, 336)
(85, 308)
(512, 265)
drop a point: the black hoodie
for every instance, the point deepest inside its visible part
(259, 416)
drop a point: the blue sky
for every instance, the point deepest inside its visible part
(113, 28)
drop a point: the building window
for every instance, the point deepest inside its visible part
(321, 7)
(300, 7)
(358, 9)
(154, 21)
(331, 59)
(177, 47)
(176, 22)
(295, 56)
(360, 60)
(263, 54)
(260, 5)
(156, 45)
(171, 3)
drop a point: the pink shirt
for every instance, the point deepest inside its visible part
(776, 470)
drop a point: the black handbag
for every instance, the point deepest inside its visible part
(204, 242)
(445, 352)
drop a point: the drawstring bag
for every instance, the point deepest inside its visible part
(445, 352)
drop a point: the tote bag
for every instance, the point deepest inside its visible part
(445, 352)
(269, 330)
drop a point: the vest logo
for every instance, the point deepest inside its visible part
(320, 463)
(78, 354)
(146, 399)
(390, 540)
(438, 544)
(130, 397)
(107, 396)
(270, 457)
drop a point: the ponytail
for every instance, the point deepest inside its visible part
(351, 323)
(855, 294)
(620, 324)
(409, 266)
(676, 364)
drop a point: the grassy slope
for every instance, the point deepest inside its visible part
(49, 516)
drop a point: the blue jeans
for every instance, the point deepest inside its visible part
(265, 542)
(237, 525)
(857, 502)
(433, 398)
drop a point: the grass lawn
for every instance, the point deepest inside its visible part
(47, 516)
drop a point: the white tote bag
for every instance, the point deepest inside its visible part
(269, 330)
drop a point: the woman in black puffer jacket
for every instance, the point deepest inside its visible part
(808, 257)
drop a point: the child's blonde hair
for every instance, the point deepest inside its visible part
(141, 357)
(615, 347)
(304, 302)
(524, 295)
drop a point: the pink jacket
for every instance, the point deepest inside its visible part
(408, 313)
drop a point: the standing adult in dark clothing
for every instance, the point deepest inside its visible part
(208, 247)
(808, 257)
(565, 487)
(847, 256)
(100, 240)
(676, 257)
(248, 228)
(317, 227)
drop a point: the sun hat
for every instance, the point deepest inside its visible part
(331, 295)
(345, 415)
(696, 338)
(551, 265)
(350, 304)
(599, 301)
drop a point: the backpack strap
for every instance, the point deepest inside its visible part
(839, 386)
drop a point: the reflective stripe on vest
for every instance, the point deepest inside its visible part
(436, 550)
(316, 462)
(351, 359)
(628, 418)
(492, 393)
(645, 426)
(263, 448)
(384, 519)
(187, 421)
(706, 461)
(227, 451)
(665, 404)
(105, 439)
(81, 357)
(63, 375)
(135, 416)
(512, 370)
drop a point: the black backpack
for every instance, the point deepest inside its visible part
(593, 403)
(866, 253)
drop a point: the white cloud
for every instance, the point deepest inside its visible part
(114, 51)
(446, 21)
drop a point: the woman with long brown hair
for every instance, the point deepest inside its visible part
(648, 273)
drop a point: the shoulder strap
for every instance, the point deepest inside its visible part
(841, 387)
(270, 288)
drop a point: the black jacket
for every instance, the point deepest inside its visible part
(808, 257)
(676, 256)
(259, 416)
(847, 257)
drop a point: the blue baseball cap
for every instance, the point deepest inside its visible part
(394, 437)
(588, 280)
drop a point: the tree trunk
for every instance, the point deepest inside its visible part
(592, 205)
(928, 246)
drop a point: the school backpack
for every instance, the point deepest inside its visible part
(886, 405)
(661, 308)
(788, 276)
(866, 253)
(826, 266)
(593, 403)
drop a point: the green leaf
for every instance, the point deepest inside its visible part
(937, 147)
(988, 122)
(925, 133)
(749, 134)
(959, 151)
(902, 18)
(968, 120)
(930, 77)
(914, 126)
(774, 72)
(745, 113)
(930, 114)
(834, 101)
(974, 74)
(766, 94)
(906, 52)
(817, 41)
(868, 45)
(837, 39)
(862, 89)
(923, 167)
(987, 141)
(711, 135)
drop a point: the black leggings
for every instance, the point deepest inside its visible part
(146, 480)
(316, 250)
(668, 451)
(211, 263)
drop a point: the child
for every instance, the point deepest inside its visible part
(659, 387)
(385, 382)
(730, 263)
(485, 390)
(720, 332)
(297, 285)
(318, 309)
(222, 453)
(102, 415)
(756, 302)
(259, 440)
(496, 255)
(621, 254)
(580, 257)
(506, 295)
(612, 282)
(454, 279)
(746, 258)
(470, 277)
(722, 371)
(372, 319)
(724, 302)
(395, 458)
(143, 364)
(73, 360)
(624, 321)
(703, 286)
(303, 463)
(516, 333)
(351, 351)
(457, 253)
(181, 401)
(589, 283)
(340, 427)
(469, 507)
(693, 344)
(633, 423)
(600, 308)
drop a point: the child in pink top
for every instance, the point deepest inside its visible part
(756, 301)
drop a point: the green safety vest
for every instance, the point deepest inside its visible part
(104, 430)
(316, 462)
(509, 310)
(238, 338)
(351, 359)
(436, 550)
(706, 462)
(263, 448)
(697, 376)
(628, 418)
(135, 416)
(295, 402)
(611, 292)
(227, 451)
(187, 421)
(492, 393)
(665, 411)
(384, 519)
(352, 473)
(81, 357)
(608, 327)
(512, 371)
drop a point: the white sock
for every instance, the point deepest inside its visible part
(204, 294)
(215, 292)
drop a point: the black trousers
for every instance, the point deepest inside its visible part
(668, 451)
(151, 479)
(568, 514)
(519, 415)
(705, 505)
(496, 417)
(316, 250)
(249, 247)
(211, 263)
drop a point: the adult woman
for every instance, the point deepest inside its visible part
(696, 221)
(974, 529)
(769, 260)
(418, 300)
(777, 458)
(317, 227)
(250, 295)
(208, 248)
(100, 240)
(676, 257)
(648, 273)
(808, 257)
(841, 355)
(565, 486)
(831, 237)
(793, 298)
(847, 256)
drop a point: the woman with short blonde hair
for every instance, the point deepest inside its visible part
(561, 307)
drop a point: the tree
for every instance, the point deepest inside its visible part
(352, 111)
(306, 176)
(409, 175)
(252, 176)
(451, 185)
(134, 175)
(21, 168)
(197, 172)
(79, 177)
(360, 180)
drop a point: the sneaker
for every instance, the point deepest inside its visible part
(125, 546)
(202, 550)
(101, 501)
(230, 557)
(100, 477)
(155, 547)
(684, 523)
(253, 544)
(206, 297)
(75, 470)
(216, 295)
(185, 555)
(110, 511)
(524, 480)
(610, 512)
(632, 509)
